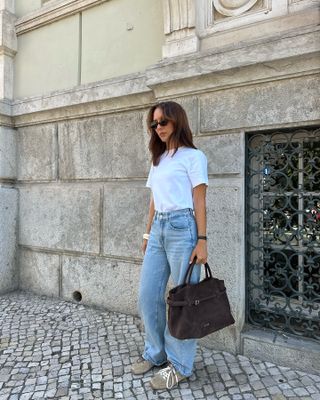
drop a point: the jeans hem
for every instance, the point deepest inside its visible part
(180, 368)
(147, 358)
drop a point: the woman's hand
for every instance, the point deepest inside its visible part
(144, 245)
(201, 252)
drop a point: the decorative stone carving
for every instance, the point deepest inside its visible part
(179, 27)
(231, 8)
(178, 14)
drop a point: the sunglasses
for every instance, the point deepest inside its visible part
(154, 124)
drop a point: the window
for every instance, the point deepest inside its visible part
(283, 231)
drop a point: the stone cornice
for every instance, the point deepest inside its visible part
(102, 90)
(5, 120)
(282, 58)
(293, 44)
(52, 12)
(90, 99)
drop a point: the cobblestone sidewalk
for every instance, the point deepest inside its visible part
(52, 349)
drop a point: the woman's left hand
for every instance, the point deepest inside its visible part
(201, 252)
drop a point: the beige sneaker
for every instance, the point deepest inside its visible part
(166, 378)
(141, 366)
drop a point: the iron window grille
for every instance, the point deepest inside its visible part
(283, 231)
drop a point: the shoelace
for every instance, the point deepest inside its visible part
(170, 374)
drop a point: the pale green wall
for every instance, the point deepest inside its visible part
(25, 6)
(50, 58)
(109, 49)
(47, 58)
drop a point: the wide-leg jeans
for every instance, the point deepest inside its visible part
(172, 239)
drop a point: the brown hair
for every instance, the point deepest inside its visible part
(181, 136)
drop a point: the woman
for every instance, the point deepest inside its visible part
(177, 225)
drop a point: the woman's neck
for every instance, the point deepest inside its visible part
(172, 146)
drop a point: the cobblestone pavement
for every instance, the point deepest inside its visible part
(52, 349)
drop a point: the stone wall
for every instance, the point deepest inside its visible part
(82, 158)
(8, 171)
(8, 232)
(83, 208)
(83, 204)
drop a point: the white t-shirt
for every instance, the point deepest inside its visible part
(174, 178)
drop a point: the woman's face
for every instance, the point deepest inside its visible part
(164, 132)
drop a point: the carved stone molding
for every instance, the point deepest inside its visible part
(178, 14)
(222, 15)
(231, 8)
(179, 27)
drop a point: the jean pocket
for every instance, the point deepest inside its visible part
(179, 222)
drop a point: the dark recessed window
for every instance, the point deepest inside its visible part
(283, 231)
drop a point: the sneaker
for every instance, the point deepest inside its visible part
(166, 378)
(141, 366)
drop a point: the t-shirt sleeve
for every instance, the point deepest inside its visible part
(198, 169)
(149, 180)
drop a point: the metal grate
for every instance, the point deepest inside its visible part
(283, 231)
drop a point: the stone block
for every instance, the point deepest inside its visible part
(65, 218)
(225, 153)
(8, 239)
(37, 158)
(226, 339)
(191, 106)
(8, 36)
(6, 77)
(226, 241)
(124, 219)
(101, 282)
(7, 153)
(282, 349)
(225, 220)
(265, 104)
(39, 272)
(104, 147)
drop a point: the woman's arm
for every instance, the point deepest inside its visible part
(149, 223)
(199, 201)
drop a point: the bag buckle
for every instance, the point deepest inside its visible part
(196, 302)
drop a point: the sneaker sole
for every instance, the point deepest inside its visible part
(165, 387)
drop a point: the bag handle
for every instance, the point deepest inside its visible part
(190, 269)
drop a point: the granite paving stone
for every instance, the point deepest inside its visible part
(53, 349)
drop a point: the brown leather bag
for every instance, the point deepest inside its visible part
(196, 310)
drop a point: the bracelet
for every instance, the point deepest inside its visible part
(146, 236)
(202, 237)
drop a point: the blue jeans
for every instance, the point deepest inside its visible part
(172, 239)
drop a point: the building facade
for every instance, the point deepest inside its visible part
(77, 79)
